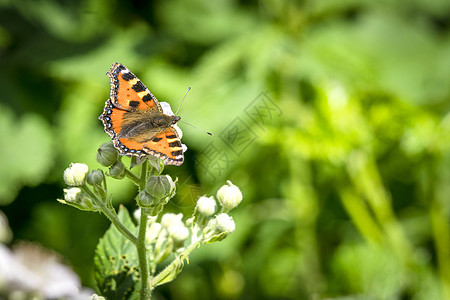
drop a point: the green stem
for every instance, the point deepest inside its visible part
(143, 180)
(110, 215)
(146, 290)
(133, 177)
(174, 265)
(361, 216)
(367, 181)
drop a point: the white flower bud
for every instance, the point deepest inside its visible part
(153, 231)
(73, 194)
(206, 206)
(173, 224)
(178, 232)
(170, 219)
(137, 215)
(225, 223)
(229, 196)
(75, 174)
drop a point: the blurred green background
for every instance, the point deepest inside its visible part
(331, 116)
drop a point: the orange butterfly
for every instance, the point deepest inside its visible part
(137, 122)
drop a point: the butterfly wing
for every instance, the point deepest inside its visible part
(128, 92)
(113, 118)
(167, 146)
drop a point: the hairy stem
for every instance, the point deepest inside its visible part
(175, 266)
(146, 290)
(112, 216)
(132, 177)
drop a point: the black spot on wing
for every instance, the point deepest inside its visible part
(128, 76)
(156, 139)
(147, 98)
(175, 144)
(120, 68)
(177, 153)
(138, 87)
(171, 136)
(134, 104)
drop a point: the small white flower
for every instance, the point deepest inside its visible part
(229, 196)
(72, 194)
(206, 206)
(75, 174)
(225, 223)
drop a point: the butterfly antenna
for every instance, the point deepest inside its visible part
(189, 88)
(196, 127)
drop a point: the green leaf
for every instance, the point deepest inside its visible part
(156, 163)
(170, 272)
(217, 238)
(116, 262)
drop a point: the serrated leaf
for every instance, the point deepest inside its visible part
(116, 262)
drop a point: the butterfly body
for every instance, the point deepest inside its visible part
(136, 122)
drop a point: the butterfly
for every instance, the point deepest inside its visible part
(137, 122)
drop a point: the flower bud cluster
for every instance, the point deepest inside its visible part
(158, 190)
(76, 176)
(175, 227)
(216, 228)
(167, 236)
(229, 196)
(108, 156)
(210, 221)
